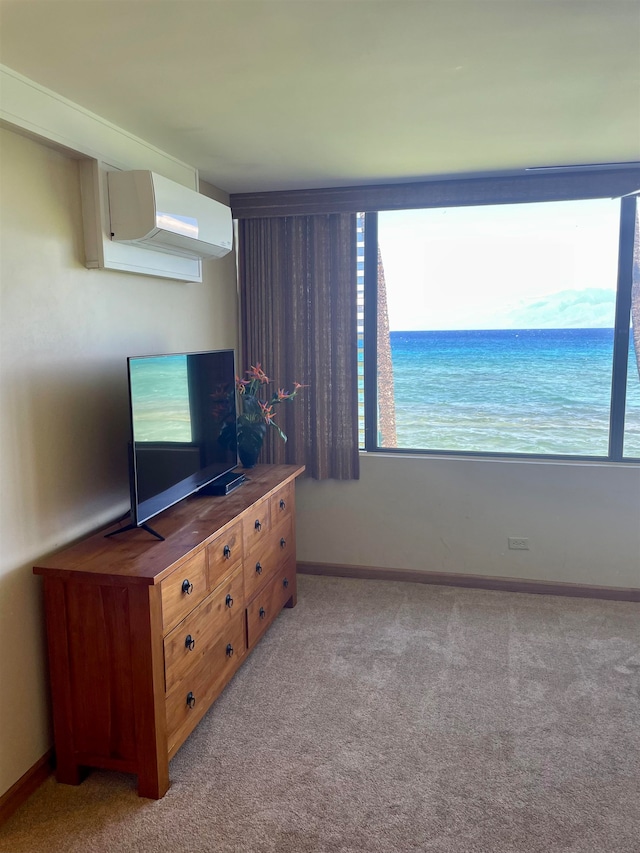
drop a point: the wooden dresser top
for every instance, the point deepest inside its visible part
(137, 557)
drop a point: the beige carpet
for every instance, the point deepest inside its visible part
(378, 717)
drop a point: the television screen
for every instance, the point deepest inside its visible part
(183, 426)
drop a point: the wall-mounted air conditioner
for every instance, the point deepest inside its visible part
(153, 212)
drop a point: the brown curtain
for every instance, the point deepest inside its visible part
(298, 310)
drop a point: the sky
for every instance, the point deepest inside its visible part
(547, 265)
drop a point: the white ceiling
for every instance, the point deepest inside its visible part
(268, 94)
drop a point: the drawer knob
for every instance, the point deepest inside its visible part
(258, 568)
(226, 552)
(258, 524)
(191, 700)
(283, 542)
(229, 650)
(285, 583)
(187, 586)
(228, 601)
(262, 613)
(283, 503)
(189, 642)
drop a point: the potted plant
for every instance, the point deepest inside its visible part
(256, 412)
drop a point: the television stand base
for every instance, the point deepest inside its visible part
(135, 527)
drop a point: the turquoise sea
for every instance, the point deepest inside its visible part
(511, 391)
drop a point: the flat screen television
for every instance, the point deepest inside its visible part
(183, 429)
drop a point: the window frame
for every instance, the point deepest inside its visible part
(629, 209)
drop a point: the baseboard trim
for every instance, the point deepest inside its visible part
(574, 590)
(25, 786)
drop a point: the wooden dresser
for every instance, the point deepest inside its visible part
(143, 635)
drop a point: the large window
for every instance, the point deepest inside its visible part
(503, 329)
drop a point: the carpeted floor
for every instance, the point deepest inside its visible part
(381, 717)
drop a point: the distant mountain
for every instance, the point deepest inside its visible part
(593, 308)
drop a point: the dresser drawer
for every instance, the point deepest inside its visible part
(224, 553)
(283, 538)
(266, 560)
(282, 504)
(183, 590)
(192, 638)
(192, 693)
(256, 525)
(269, 602)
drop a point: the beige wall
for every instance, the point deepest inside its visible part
(66, 332)
(455, 515)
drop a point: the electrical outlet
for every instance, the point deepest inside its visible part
(518, 543)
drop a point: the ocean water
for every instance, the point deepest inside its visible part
(510, 391)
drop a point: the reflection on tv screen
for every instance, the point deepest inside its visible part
(160, 399)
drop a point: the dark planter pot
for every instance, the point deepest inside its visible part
(250, 439)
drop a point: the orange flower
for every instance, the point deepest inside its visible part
(267, 411)
(256, 372)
